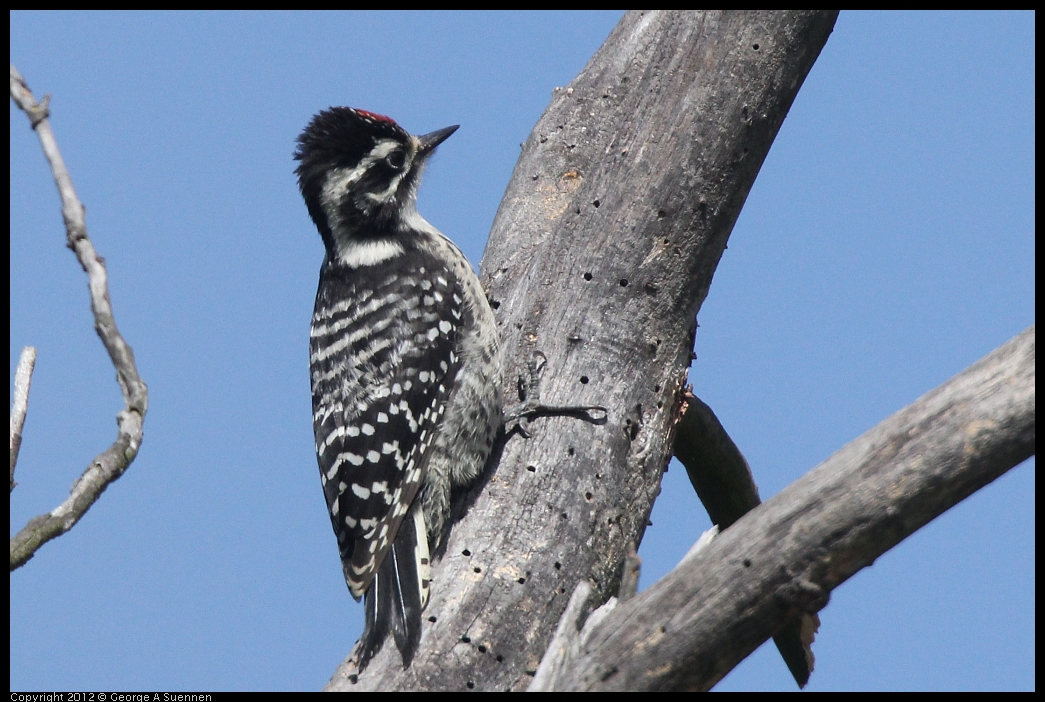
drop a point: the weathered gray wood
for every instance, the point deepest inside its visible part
(600, 257)
(787, 555)
(577, 624)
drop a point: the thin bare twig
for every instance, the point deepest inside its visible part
(110, 464)
(23, 377)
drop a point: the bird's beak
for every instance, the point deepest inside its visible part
(434, 139)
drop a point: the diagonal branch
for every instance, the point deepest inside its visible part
(787, 555)
(110, 464)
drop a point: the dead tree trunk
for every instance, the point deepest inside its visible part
(600, 257)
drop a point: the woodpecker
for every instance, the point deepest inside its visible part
(405, 365)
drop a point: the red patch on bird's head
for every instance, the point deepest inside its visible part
(374, 116)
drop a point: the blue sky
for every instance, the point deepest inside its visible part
(887, 244)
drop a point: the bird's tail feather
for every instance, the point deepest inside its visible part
(393, 601)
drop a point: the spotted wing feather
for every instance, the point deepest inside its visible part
(382, 362)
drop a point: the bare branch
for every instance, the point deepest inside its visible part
(111, 464)
(23, 378)
(786, 556)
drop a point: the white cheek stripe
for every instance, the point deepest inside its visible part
(337, 182)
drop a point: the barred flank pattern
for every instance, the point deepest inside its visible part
(383, 361)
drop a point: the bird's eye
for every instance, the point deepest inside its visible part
(396, 159)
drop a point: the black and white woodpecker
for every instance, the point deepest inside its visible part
(405, 364)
